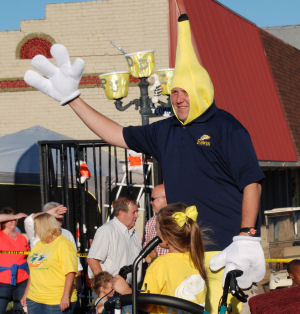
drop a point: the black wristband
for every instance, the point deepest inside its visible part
(250, 230)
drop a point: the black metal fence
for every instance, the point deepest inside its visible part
(89, 201)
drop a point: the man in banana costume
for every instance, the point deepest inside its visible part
(206, 156)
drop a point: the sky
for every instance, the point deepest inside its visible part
(263, 13)
(266, 13)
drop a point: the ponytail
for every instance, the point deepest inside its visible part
(183, 233)
(197, 249)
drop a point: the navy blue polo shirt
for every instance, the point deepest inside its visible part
(206, 163)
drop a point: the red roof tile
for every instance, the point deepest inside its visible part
(284, 62)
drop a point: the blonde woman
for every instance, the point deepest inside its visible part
(53, 266)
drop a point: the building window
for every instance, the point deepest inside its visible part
(34, 44)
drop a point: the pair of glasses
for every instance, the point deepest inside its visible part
(154, 198)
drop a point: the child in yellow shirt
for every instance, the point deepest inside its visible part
(181, 272)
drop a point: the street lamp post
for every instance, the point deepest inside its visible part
(141, 66)
(144, 102)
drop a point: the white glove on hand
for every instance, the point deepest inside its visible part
(63, 80)
(244, 253)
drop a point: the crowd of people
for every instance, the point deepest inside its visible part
(45, 280)
(212, 185)
(52, 262)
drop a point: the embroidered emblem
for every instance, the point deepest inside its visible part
(204, 137)
(204, 140)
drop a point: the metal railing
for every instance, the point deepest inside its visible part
(89, 203)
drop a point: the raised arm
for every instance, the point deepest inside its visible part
(57, 212)
(61, 82)
(8, 217)
(107, 129)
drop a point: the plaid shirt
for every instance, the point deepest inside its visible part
(150, 233)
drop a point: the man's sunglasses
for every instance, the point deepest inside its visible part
(154, 198)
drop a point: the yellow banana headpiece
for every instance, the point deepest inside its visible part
(190, 75)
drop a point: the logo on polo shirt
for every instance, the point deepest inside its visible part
(204, 140)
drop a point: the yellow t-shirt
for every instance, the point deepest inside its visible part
(174, 274)
(49, 263)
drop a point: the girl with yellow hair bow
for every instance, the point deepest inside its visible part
(181, 272)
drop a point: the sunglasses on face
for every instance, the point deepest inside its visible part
(154, 198)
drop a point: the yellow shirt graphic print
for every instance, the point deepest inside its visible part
(190, 288)
(37, 261)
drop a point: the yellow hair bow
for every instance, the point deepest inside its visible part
(181, 218)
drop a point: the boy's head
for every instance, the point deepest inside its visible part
(102, 284)
(293, 269)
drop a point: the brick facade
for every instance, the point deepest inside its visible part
(86, 29)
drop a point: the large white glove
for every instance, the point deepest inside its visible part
(63, 79)
(244, 253)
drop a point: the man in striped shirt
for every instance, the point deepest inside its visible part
(158, 201)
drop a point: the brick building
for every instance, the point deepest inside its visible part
(86, 29)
